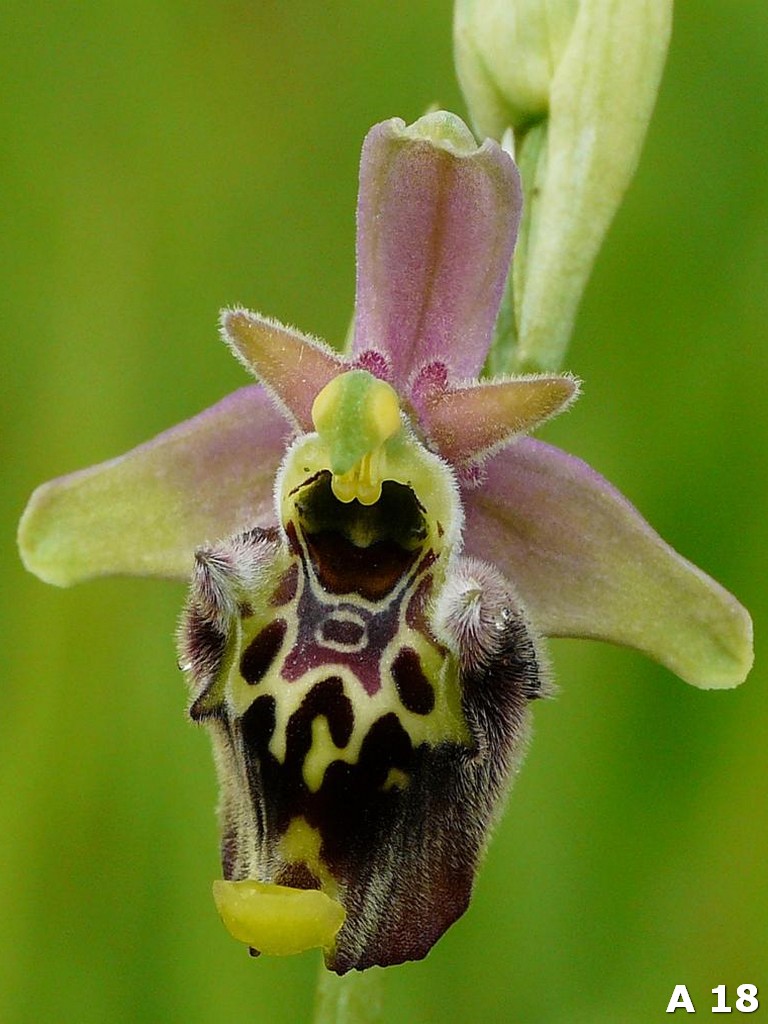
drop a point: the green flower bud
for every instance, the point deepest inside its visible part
(506, 55)
(576, 83)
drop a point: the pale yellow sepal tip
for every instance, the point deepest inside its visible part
(277, 919)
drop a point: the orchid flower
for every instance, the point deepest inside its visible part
(376, 550)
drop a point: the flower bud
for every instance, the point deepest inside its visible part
(506, 54)
(576, 83)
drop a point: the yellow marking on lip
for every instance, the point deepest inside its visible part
(396, 779)
(301, 845)
(320, 754)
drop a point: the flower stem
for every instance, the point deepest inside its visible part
(354, 999)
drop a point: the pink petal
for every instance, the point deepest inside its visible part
(144, 513)
(292, 366)
(436, 224)
(587, 564)
(468, 421)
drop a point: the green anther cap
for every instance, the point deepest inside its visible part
(354, 415)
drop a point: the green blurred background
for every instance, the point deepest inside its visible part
(161, 160)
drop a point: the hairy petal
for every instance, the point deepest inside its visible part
(436, 224)
(292, 366)
(587, 564)
(468, 421)
(144, 513)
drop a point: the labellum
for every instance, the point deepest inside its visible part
(365, 691)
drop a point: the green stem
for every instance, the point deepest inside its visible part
(354, 999)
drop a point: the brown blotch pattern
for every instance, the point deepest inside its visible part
(413, 687)
(327, 699)
(343, 631)
(261, 652)
(286, 588)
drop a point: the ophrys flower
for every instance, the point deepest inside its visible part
(375, 551)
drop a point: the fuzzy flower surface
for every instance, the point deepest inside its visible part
(376, 549)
